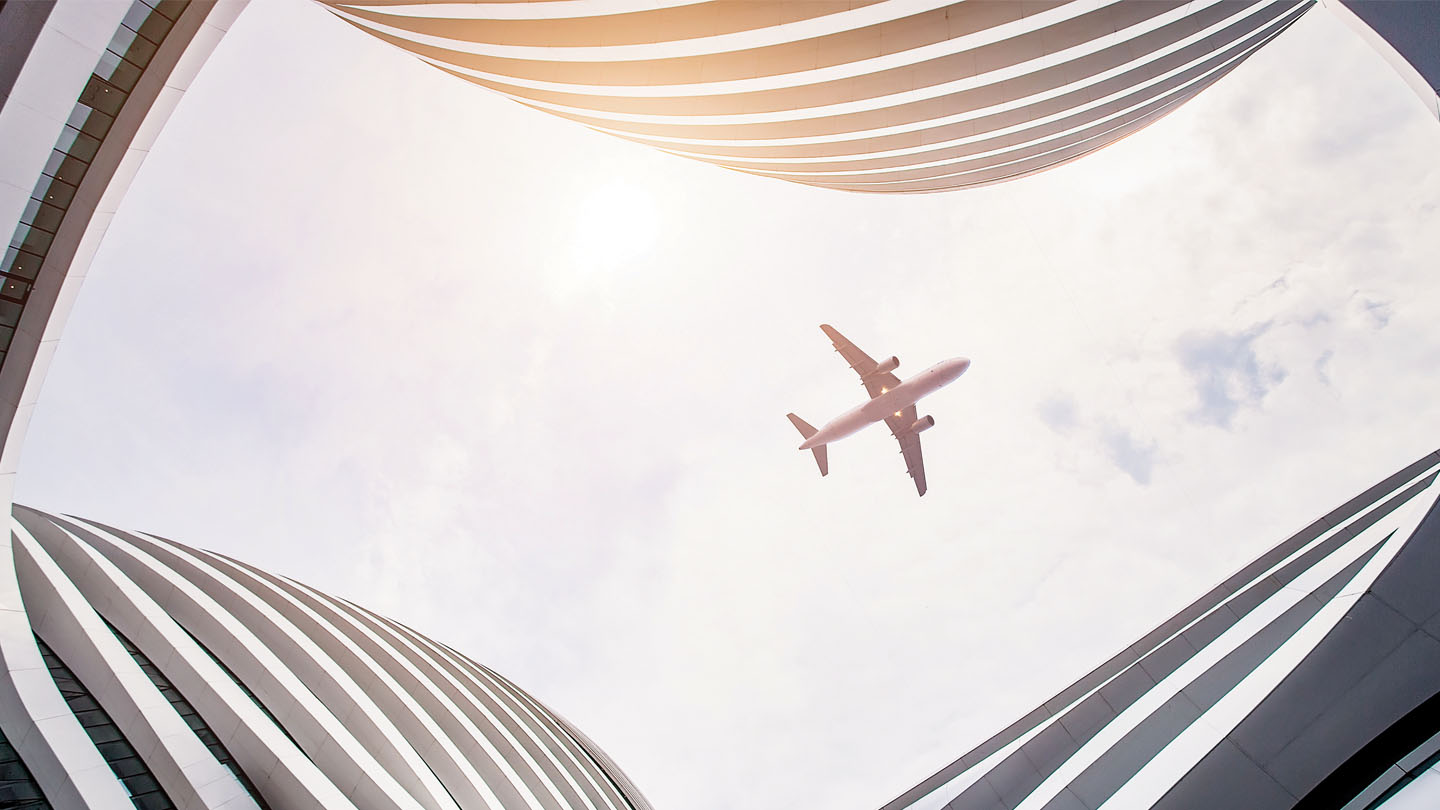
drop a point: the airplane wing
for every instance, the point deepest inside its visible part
(909, 445)
(875, 384)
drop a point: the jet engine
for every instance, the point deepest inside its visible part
(887, 365)
(923, 423)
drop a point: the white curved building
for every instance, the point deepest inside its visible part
(874, 95)
(202, 682)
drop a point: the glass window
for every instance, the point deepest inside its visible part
(100, 95)
(171, 8)
(45, 217)
(14, 290)
(17, 787)
(59, 193)
(129, 768)
(9, 313)
(22, 264)
(192, 718)
(155, 27)
(117, 71)
(146, 23)
(136, 16)
(72, 170)
(84, 147)
(34, 240)
(137, 49)
(31, 209)
(67, 137)
(52, 164)
(95, 123)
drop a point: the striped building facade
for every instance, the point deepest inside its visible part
(861, 95)
(1309, 679)
(136, 672)
(153, 675)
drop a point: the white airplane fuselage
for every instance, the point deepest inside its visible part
(890, 403)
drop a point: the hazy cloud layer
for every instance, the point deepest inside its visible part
(361, 323)
(1226, 371)
(1058, 412)
(1135, 457)
(1380, 312)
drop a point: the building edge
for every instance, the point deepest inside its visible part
(1407, 58)
(1343, 762)
(242, 689)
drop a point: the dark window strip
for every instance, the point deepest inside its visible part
(1410, 776)
(189, 714)
(119, 754)
(116, 74)
(18, 790)
(243, 688)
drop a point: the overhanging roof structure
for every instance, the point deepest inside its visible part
(872, 95)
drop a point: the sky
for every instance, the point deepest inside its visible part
(523, 387)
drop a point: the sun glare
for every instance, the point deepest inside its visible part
(615, 225)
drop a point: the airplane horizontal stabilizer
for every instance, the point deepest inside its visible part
(801, 425)
(821, 458)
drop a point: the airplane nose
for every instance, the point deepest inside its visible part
(962, 365)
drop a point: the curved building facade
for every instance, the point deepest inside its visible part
(1407, 35)
(138, 672)
(1309, 679)
(865, 95)
(888, 96)
(85, 88)
(156, 675)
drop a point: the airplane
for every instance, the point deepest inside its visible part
(890, 400)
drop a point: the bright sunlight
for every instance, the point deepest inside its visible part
(615, 224)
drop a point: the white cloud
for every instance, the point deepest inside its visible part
(1227, 372)
(1058, 412)
(1135, 457)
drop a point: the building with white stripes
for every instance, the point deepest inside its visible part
(1308, 679)
(139, 672)
(145, 672)
(874, 95)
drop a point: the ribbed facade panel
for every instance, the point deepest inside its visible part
(1268, 692)
(889, 96)
(263, 692)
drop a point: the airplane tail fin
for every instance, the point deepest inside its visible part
(821, 456)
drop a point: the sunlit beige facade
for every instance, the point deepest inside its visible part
(887, 96)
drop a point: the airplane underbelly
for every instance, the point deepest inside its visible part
(892, 401)
(847, 424)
